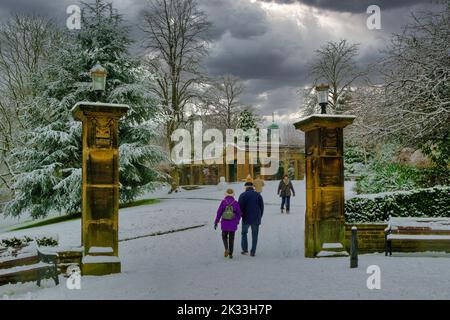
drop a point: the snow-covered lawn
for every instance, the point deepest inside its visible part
(190, 264)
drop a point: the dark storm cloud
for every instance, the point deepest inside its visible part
(275, 54)
(353, 6)
(270, 49)
(56, 9)
(241, 19)
(26, 6)
(48, 8)
(255, 62)
(275, 64)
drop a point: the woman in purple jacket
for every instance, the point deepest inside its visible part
(229, 213)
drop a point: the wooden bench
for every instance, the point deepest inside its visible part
(45, 268)
(418, 234)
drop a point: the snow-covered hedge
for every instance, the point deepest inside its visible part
(42, 241)
(431, 202)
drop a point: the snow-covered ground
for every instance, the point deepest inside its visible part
(190, 264)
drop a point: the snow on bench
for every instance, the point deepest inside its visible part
(19, 269)
(416, 229)
(441, 224)
(417, 237)
(46, 267)
(6, 262)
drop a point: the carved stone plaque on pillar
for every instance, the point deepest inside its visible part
(100, 185)
(324, 217)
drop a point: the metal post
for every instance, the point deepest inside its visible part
(354, 248)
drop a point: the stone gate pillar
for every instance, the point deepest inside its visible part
(100, 185)
(324, 169)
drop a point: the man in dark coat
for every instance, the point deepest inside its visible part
(252, 207)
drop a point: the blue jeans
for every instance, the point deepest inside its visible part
(244, 241)
(287, 201)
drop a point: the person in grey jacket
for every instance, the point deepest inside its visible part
(285, 190)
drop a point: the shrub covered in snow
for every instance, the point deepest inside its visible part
(46, 242)
(431, 202)
(354, 159)
(384, 176)
(15, 242)
(42, 241)
(386, 170)
(380, 177)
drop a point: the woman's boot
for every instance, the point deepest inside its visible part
(225, 244)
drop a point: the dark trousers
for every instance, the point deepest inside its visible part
(244, 241)
(228, 241)
(287, 201)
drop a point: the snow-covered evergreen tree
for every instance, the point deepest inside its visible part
(49, 165)
(247, 120)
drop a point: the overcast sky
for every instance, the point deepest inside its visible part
(269, 44)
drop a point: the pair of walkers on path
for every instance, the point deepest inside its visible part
(249, 207)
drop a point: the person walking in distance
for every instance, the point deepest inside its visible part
(258, 183)
(252, 207)
(285, 190)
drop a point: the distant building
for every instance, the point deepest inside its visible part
(291, 162)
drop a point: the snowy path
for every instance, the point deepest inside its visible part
(190, 264)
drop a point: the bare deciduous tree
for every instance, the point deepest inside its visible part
(309, 104)
(25, 42)
(364, 105)
(221, 101)
(291, 136)
(336, 66)
(177, 41)
(416, 70)
(411, 105)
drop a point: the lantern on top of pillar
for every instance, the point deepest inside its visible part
(98, 76)
(322, 96)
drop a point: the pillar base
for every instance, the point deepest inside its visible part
(100, 265)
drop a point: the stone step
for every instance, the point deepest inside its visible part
(331, 254)
(336, 247)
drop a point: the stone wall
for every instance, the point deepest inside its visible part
(69, 256)
(370, 237)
